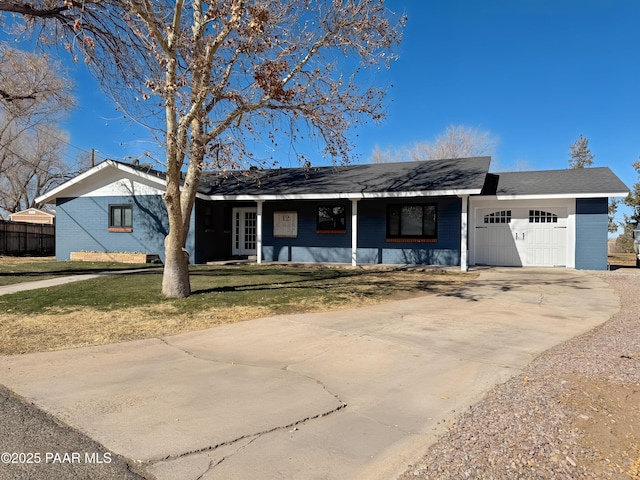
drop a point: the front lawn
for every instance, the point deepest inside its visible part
(30, 269)
(130, 306)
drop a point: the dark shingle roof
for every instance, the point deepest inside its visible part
(434, 175)
(437, 176)
(580, 181)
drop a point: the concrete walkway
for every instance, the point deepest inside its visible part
(53, 282)
(49, 282)
(340, 395)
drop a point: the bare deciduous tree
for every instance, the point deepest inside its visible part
(228, 73)
(234, 70)
(33, 164)
(33, 99)
(388, 155)
(95, 29)
(457, 141)
(31, 90)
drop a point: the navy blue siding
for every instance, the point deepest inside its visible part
(308, 246)
(83, 225)
(373, 247)
(591, 233)
(372, 235)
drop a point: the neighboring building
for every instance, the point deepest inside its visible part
(437, 212)
(33, 215)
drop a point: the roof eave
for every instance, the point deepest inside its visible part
(559, 196)
(52, 195)
(344, 196)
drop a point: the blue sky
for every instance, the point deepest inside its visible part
(534, 73)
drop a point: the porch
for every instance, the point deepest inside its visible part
(356, 231)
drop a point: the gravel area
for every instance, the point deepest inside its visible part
(573, 413)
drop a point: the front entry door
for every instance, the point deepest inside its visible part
(245, 230)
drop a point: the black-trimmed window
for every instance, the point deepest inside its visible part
(120, 218)
(503, 216)
(540, 216)
(412, 221)
(332, 219)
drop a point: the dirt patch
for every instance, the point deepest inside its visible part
(607, 417)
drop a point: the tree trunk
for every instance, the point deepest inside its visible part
(175, 278)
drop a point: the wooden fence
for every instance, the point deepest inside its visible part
(27, 239)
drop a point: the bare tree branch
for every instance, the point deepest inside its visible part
(10, 97)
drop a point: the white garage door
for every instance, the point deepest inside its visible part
(521, 237)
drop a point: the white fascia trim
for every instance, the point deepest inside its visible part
(353, 196)
(554, 196)
(53, 194)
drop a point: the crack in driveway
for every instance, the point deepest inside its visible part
(253, 436)
(257, 435)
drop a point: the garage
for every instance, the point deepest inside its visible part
(545, 218)
(522, 236)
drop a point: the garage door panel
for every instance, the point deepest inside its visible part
(499, 246)
(528, 237)
(545, 245)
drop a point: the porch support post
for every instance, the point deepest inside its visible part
(464, 233)
(259, 231)
(354, 232)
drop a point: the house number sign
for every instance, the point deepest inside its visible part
(285, 224)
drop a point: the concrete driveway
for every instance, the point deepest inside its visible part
(341, 395)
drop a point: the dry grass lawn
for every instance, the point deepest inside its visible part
(8, 260)
(61, 327)
(622, 260)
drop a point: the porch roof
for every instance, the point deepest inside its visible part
(430, 178)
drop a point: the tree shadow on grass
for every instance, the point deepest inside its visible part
(69, 272)
(341, 281)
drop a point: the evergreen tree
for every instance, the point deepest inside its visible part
(580, 155)
(625, 241)
(633, 199)
(613, 210)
